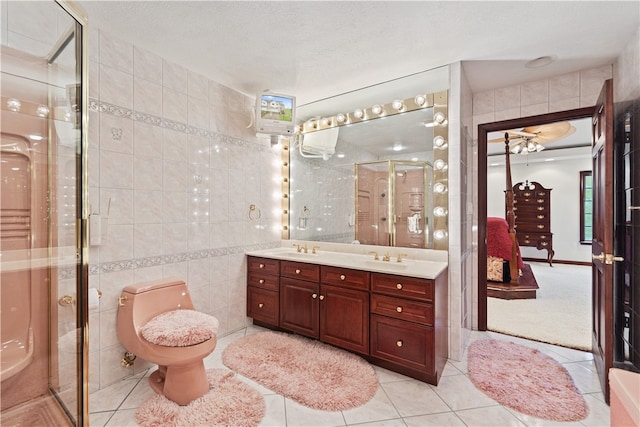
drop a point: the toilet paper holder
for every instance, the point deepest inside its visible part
(67, 300)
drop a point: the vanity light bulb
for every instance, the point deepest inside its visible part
(439, 188)
(14, 105)
(439, 142)
(312, 124)
(376, 109)
(358, 113)
(341, 118)
(440, 164)
(439, 118)
(439, 234)
(439, 211)
(420, 100)
(325, 121)
(42, 111)
(397, 105)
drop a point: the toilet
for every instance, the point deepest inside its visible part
(158, 323)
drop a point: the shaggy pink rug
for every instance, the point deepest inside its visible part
(313, 374)
(230, 402)
(526, 380)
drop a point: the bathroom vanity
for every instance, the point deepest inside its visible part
(392, 313)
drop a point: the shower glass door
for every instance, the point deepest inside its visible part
(42, 226)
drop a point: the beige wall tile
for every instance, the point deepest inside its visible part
(534, 93)
(565, 86)
(507, 98)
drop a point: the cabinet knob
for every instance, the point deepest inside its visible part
(342, 277)
(399, 343)
(261, 281)
(297, 271)
(261, 265)
(314, 296)
(399, 285)
(321, 297)
(399, 309)
(261, 305)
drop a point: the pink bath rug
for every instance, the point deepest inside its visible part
(229, 402)
(525, 379)
(313, 374)
(180, 328)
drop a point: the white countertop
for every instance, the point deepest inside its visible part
(411, 267)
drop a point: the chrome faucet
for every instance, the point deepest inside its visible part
(375, 255)
(400, 257)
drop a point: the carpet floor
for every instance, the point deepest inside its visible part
(525, 379)
(313, 374)
(561, 313)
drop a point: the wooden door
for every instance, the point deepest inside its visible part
(344, 318)
(602, 244)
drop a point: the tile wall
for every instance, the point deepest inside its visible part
(172, 170)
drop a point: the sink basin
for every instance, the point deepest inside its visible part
(387, 265)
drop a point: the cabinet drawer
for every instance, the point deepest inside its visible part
(263, 305)
(344, 277)
(300, 270)
(401, 342)
(261, 280)
(263, 265)
(403, 309)
(401, 286)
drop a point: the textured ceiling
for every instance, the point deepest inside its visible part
(314, 50)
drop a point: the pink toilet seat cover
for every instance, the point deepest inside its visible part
(180, 328)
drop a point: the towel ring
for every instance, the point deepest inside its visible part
(252, 215)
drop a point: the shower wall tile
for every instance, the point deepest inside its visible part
(147, 240)
(175, 175)
(147, 65)
(118, 245)
(198, 86)
(94, 46)
(173, 241)
(198, 112)
(147, 207)
(199, 274)
(174, 207)
(174, 145)
(174, 77)
(174, 105)
(116, 87)
(116, 205)
(507, 98)
(116, 134)
(147, 140)
(116, 53)
(93, 133)
(116, 170)
(94, 76)
(148, 173)
(198, 149)
(147, 96)
(534, 93)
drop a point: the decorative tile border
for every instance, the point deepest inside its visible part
(117, 111)
(132, 264)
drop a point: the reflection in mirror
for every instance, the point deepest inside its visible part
(401, 137)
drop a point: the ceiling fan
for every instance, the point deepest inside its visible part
(532, 138)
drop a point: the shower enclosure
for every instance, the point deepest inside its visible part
(392, 202)
(43, 269)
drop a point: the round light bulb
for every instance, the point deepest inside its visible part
(358, 113)
(397, 105)
(439, 187)
(13, 104)
(312, 124)
(420, 100)
(439, 142)
(439, 234)
(439, 118)
(42, 111)
(341, 118)
(440, 164)
(376, 109)
(325, 121)
(439, 211)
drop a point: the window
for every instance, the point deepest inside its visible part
(586, 205)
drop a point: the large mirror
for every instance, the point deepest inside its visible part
(370, 166)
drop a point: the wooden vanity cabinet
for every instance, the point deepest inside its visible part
(409, 325)
(299, 292)
(263, 290)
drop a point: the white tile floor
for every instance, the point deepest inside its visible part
(400, 401)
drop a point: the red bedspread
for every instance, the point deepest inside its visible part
(499, 241)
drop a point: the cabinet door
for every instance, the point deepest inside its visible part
(344, 318)
(299, 306)
(262, 305)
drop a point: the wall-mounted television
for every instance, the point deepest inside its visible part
(275, 114)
